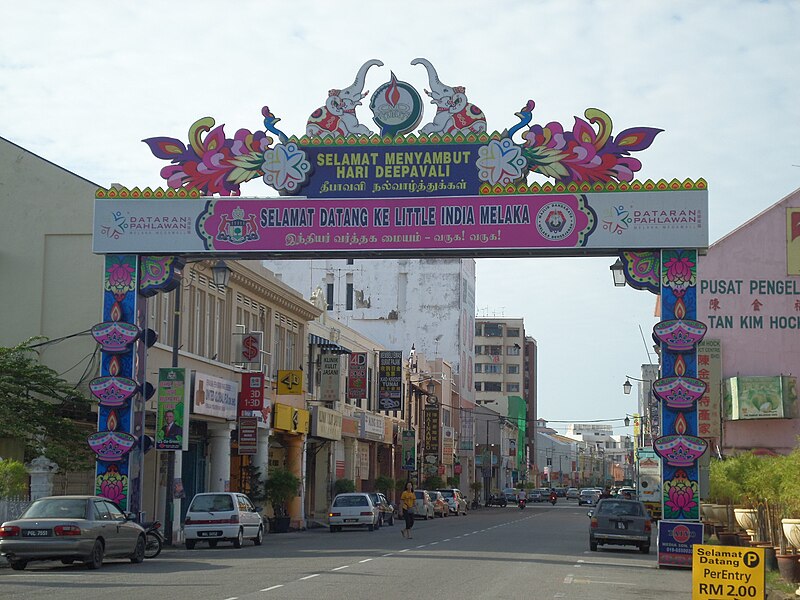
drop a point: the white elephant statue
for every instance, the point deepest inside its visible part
(454, 113)
(338, 116)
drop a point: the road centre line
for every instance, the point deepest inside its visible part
(340, 568)
(365, 560)
(404, 550)
(274, 587)
(309, 577)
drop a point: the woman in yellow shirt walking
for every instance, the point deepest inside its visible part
(408, 500)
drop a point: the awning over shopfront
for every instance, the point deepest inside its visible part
(327, 345)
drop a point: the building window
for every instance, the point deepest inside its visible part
(477, 386)
(513, 350)
(349, 261)
(492, 368)
(495, 350)
(329, 296)
(349, 298)
(512, 369)
(478, 350)
(492, 386)
(493, 329)
(512, 332)
(478, 367)
(512, 387)
(478, 329)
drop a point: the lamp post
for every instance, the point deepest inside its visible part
(221, 274)
(618, 273)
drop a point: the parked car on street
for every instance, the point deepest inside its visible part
(354, 509)
(385, 509)
(69, 529)
(215, 517)
(572, 493)
(440, 506)
(455, 500)
(620, 522)
(424, 506)
(510, 494)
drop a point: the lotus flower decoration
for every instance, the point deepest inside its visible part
(113, 391)
(680, 335)
(115, 337)
(680, 450)
(111, 446)
(679, 392)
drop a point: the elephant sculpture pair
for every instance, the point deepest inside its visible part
(454, 113)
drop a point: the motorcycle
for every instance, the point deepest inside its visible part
(522, 503)
(154, 539)
(553, 499)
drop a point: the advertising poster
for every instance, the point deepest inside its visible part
(409, 450)
(759, 397)
(448, 445)
(676, 540)
(215, 397)
(330, 378)
(357, 376)
(390, 380)
(171, 418)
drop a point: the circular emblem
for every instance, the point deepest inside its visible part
(681, 533)
(396, 107)
(555, 221)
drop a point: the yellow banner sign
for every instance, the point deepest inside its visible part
(289, 418)
(727, 572)
(290, 382)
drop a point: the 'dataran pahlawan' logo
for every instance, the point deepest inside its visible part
(396, 106)
(237, 229)
(555, 221)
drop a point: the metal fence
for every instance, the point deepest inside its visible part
(11, 508)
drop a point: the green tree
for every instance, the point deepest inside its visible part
(344, 486)
(13, 479)
(433, 482)
(39, 407)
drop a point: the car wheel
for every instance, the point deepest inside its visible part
(18, 565)
(259, 539)
(379, 524)
(190, 544)
(213, 544)
(152, 547)
(95, 560)
(239, 539)
(138, 552)
(645, 549)
(593, 546)
(370, 527)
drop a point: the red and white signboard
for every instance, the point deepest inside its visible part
(252, 395)
(247, 348)
(248, 435)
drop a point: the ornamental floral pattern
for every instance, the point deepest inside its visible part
(500, 162)
(285, 167)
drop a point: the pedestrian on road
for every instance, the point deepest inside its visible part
(408, 501)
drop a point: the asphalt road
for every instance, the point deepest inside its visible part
(541, 553)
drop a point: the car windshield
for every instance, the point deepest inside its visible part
(211, 503)
(420, 495)
(620, 509)
(56, 508)
(351, 501)
(447, 493)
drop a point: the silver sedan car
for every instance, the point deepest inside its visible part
(69, 529)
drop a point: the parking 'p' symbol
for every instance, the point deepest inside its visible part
(750, 559)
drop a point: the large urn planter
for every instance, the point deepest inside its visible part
(791, 530)
(720, 513)
(708, 514)
(747, 518)
(789, 567)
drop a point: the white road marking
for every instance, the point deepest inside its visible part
(340, 568)
(309, 577)
(569, 578)
(422, 546)
(232, 598)
(447, 540)
(365, 560)
(434, 543)
(274, 587)
(390, 554)
(404, 550)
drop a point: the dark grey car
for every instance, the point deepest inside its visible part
(620, 522)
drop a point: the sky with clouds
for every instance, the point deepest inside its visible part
(83, 82)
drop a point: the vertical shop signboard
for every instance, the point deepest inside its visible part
(390, 380)
(248, 435)
(357, 376)
(431, 441)
(330, 378)
(409, 450)
(172, 411)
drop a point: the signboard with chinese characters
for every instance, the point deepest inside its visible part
(448, 445)
(248, 435)
(215, 397)
(430, 444)
(330, 378)
(372, 426)
(390, 380)
(709, 406)
(357, 376)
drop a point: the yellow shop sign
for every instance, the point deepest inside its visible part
(289, 418)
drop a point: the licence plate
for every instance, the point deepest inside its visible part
(209, 533)
(36, 533)
(621, 525)
(351, 520)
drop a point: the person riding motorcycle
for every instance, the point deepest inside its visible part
(553, 496)
(522, 498)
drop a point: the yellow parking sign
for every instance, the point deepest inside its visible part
(727, 573)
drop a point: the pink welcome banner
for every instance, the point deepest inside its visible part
(469, 225)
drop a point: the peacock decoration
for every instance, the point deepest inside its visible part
(213, 163)
(582, 154)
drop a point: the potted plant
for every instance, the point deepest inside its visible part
(343, 486)
(725, 479)
(788, 475)
(281, 487)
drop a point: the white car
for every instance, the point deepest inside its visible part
(455, 500)
(353, 510)
(588, 496)
(222, 516)
(424, 505)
